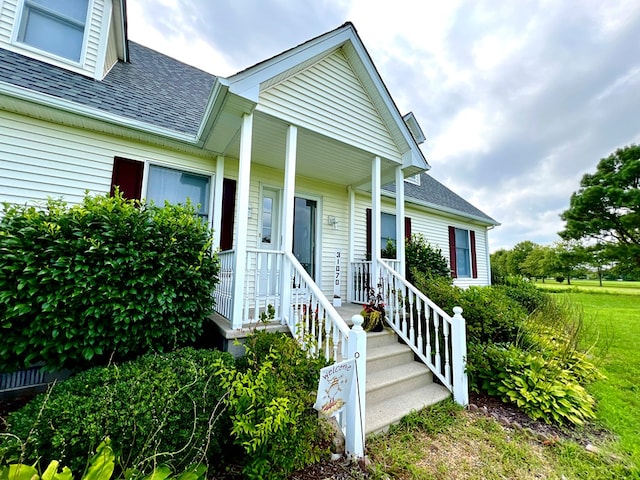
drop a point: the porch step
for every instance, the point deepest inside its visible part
(396, 384)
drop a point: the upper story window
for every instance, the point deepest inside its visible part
(54, 26)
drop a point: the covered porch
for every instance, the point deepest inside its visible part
(294, 231)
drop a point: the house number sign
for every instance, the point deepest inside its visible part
(337, 301)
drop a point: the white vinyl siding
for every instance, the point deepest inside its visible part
(41, 160)
(90, 62)
(8, 13)
(328, 98)
(434, 227)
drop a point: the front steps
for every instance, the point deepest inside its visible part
(396, 383)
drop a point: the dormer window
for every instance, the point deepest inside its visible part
(54, 26)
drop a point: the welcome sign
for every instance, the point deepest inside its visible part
(334, 387)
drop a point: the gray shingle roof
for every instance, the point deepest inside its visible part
(151, 88)
(433, 193)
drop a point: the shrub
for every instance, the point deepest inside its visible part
(100, 467)
(541, 387)
(159, 409)
(108, 278)
(425, 258)
(491, 316)
(530, 297)
(270, 398)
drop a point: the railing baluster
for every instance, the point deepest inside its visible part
(436, 340)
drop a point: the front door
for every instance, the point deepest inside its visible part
(268, 242)
(304, 233)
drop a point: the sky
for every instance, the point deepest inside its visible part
(518, 99)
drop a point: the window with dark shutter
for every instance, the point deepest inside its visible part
(127, 176)
(407, 231)
(452, 252)
(462, 253)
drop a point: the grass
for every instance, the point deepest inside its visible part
(446, 442)
(618, 396)
(591, 286)
(468, 446)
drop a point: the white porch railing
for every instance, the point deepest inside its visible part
(360, 279)
(438, 339)
(223, 293)
(315, 322)
(261, 289)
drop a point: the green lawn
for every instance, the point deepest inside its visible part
(591, 286)
(446, 442)
(617, 319)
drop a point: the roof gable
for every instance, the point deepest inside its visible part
(250, 82)
(328, 97)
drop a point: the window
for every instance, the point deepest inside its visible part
(176, 186)
(267, 214)
(54, 26)
(415, 179)
(387, 231)
(462, 253)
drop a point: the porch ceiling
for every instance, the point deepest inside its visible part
(318, 157)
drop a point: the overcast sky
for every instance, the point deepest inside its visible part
(518, 99)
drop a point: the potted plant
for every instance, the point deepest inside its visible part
(373, 311)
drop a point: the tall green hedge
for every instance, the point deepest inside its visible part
(108, 278)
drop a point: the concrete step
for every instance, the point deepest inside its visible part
(388, 356)
(380, 339)
(381, 414)
(395, 381)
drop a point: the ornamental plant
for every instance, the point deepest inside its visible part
(109, 278)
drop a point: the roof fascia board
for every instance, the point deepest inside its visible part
(93, 113)
(120, 15)
(439, 208)
(215, 104)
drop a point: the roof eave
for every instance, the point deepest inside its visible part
(50, 101)
(450, 211)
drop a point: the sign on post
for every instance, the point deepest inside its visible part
(334, 387)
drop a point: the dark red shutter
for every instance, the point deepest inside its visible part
(407, 228)
(452, 252)
(228, 210)
(474, 261)
(127, 175)
(368, 234)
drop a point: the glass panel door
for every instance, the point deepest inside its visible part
(304, 233)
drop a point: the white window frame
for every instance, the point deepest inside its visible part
(181, 168)
(20, 11)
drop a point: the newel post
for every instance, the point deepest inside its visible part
(355, 409)
(459, 358)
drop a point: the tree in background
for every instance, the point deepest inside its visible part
(606, 208)
(570, 259)
(499, 269)
(541, 262)
(517, 258)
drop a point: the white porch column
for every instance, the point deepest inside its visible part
(217, 202)
(352, 235)
(375, 221)
(242, 207)
(400, 255)
(286, 225)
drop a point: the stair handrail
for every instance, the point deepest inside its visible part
(451, 372)
(331, 313)
(307, 321)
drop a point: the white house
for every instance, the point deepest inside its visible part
(302, 163)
